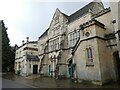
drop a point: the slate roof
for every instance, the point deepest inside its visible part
(84, 10)
(44, 34)
(77, 14)
(81, 11)
(32, 57)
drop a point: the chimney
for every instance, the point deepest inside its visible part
(27, 38)
(23, 42)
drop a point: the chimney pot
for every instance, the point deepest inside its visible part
(22, 42)
(27, 39)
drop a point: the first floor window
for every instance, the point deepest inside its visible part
(73, 38)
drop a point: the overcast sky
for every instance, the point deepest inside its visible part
(30, 18)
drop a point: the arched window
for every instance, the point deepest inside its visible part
(89, 54)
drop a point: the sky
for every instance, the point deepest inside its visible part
(30, 18)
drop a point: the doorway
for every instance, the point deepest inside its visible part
(70, 65)
(35, 69)
(117, 63)
(49, 70)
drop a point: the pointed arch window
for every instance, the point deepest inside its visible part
(89, 55)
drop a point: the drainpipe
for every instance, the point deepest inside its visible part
(75, 71)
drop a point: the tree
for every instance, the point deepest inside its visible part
(7, 53)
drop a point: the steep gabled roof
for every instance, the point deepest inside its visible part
(84, 10)
(78, 13)
(81, 11)
(44, 34)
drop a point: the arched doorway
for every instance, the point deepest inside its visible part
(35, 69)
(117, 63)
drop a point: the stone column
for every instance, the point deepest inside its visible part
(53, 67)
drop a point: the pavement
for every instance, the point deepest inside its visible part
(32, 77)
(46, 82)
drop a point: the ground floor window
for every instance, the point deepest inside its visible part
(29, 65)
(19, 65)
(119, 35)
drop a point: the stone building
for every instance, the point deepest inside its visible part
(42, 53)
(115, 10)
(26, 58)
(81, 46)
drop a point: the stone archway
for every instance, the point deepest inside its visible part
(117, 63)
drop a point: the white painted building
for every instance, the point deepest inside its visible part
(26, 58)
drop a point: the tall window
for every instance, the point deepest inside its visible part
(54, 44)
(51, 45)
(29, 65)
(20, 54)
(119, 35)
(89, 54)
(74, 38)
(17, 55)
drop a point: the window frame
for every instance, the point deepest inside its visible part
(89, 56)
(73, 38)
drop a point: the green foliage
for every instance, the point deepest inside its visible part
(7, 51)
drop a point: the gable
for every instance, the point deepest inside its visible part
(58, 22)
(57, 18)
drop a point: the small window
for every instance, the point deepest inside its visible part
(119, 35)
(89, 56)
(29, 65)
(87, 34)
(56, 20)
(19, 65)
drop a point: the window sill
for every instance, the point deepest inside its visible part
(89, 64)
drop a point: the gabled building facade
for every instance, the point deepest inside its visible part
(81, 46)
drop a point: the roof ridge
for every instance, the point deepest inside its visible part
(81, 8)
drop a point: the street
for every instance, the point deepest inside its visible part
(12, 84)
(13, 81)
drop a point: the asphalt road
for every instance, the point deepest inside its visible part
(12, 84)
